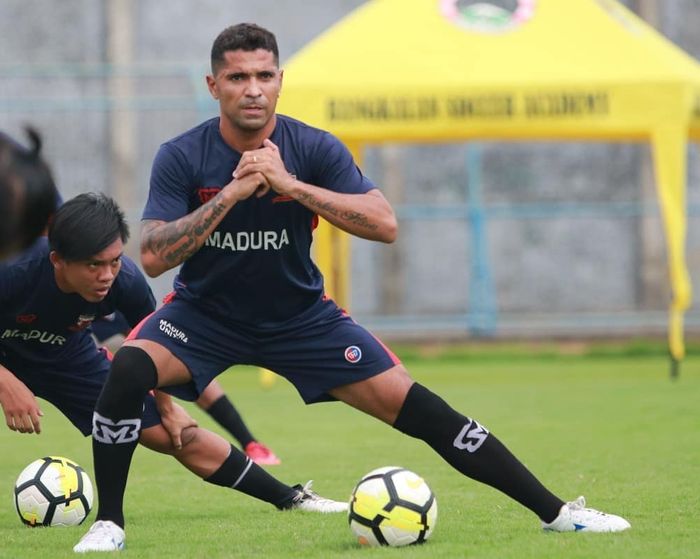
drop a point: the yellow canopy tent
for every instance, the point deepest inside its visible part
(443, 70)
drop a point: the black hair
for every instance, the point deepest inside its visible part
(244, 36)
(28, 194)
(86, 225)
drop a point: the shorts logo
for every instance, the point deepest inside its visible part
(107, 431)
(353, 354)
(170, 330)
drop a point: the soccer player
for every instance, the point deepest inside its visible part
(110, 331)
(27, 193)
(235, 201)
(49, 295)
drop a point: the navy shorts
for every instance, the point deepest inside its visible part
(74, 389)
(319, 350)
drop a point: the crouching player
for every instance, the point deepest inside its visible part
(48, 297)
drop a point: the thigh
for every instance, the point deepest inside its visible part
(380, 396)
(72, 387)
(188, 347)
(325, 353)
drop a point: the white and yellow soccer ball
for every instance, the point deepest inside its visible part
(53, 491)
(392, 506)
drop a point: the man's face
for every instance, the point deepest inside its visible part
(247, 85)
(92, 278)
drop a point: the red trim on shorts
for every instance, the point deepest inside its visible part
(169, 298)
(135, 329)
(393, 356)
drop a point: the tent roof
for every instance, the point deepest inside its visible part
(404, 70)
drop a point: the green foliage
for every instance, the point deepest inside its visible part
(614, 429)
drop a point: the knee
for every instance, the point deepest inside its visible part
(132, 374)
(132, 369)
(423, 413)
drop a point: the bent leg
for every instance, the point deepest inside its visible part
(214, 401)
(213, 459)
(467, 446)
(117, 425)
(203, 454)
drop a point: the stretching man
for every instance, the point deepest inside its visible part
(235, 201)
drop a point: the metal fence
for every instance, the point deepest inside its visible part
(520, 239)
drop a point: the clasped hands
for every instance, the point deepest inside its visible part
(260, 170)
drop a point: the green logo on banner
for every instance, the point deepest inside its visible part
(488, 17)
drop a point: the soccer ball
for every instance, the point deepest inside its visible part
(53, 491)
(392, 506)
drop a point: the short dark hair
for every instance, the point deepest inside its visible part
(28, 194)
(244, 36)
(86, 225)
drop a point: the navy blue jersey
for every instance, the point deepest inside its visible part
(255, 268)
(40, 325)
(104, 327)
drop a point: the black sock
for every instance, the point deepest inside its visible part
(116, 427)
(242, 474)
(472, 450)
(226, 415)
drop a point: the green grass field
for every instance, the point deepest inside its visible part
(611, 427)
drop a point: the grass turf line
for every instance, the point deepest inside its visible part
(614, 429)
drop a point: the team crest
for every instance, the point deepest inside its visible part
(84, 320)
(353, 354)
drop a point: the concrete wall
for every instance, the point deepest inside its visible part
(571, 241)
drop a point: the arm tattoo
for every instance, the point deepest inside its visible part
(359, 219)
(327, 208)
(177, 240)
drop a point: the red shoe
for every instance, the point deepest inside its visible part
(261, 455)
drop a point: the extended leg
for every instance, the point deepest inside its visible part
(467, 446)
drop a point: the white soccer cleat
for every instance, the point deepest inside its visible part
(103, 535)
(575, 517)
(309, 501)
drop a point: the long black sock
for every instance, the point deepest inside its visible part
(471, 449)
(116, 426)
(226, 415)
(241, 473)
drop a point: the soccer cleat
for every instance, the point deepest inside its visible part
(103, 535)
(575, 517)
(261, 455)
(309, 501)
